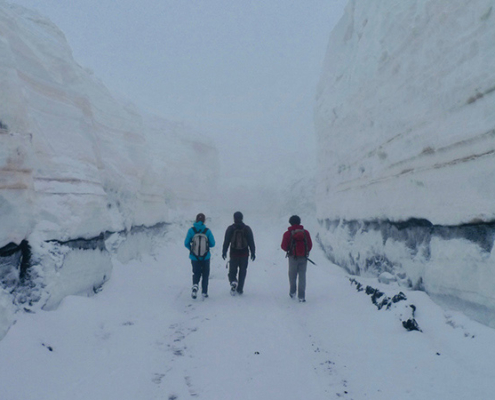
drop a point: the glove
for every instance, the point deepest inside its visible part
(224, 256)
(253, 257)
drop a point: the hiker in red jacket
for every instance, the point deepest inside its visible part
(297, 243)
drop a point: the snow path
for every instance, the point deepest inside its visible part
(143, 337)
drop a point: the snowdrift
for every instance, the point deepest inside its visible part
(78, 166)
(405, 117)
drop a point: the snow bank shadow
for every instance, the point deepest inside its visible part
(39, 275)
(452, 264)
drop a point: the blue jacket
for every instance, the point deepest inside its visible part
(190, 233)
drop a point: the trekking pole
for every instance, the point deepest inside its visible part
(311, 261)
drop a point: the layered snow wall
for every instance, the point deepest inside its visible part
(81, 171)
(405, 117)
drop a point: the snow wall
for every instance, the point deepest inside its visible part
(84, 175)
(405, 117)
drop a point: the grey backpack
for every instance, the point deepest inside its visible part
(200, 244)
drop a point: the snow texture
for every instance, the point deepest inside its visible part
(143, 337)
(405, 117)
(79, 164)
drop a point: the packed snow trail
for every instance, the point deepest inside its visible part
(143, 337)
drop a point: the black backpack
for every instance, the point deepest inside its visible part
(238, 241)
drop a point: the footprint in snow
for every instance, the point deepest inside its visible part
(157, 378)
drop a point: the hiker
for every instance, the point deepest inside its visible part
(297, 243)
(199, 240)
(240, 238)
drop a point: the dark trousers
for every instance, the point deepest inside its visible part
(201, 269)
(238, 265)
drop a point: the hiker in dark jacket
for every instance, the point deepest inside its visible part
(297, 243)
(240, 238)
(200, 263)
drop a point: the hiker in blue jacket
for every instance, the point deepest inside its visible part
(198, 241)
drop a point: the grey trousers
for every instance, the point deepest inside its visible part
(297, 268)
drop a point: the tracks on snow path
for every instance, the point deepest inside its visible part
(256, 345)
(143, 337)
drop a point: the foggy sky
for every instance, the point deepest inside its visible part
(242, 71)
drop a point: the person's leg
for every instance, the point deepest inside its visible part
(233, 267)
(301, 272)
(292, 276)
(243, 264)
(205, 276)
(196, 270)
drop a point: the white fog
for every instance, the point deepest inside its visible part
(121, 122)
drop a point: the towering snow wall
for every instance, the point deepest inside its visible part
(77, 165)
(405, 117)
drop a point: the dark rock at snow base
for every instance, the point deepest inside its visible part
(387, 302)
(376, 294)
(15, 260)
(411, 325)
(399, 297)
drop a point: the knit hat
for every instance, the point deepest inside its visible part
(295, 220)
(238, 216)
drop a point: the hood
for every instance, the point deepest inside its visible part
(294, 227)
(199, 225)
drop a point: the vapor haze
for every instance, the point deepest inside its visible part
(242, 72)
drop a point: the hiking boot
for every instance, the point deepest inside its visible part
(302, 300)
(194, 292)
(240, 291)
(205, 295)
(292, 295)
(233, 288)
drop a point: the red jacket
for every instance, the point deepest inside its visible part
(300, 235)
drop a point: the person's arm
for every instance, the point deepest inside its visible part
(309, 241)
(285, 241)
(211, 239)
(252, 246)
(226, 241)
(187, 241)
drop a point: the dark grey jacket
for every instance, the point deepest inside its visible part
(249, 236)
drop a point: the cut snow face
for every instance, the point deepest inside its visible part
(143, 336)
(77, 160)
(78, 165)
(404, 115)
